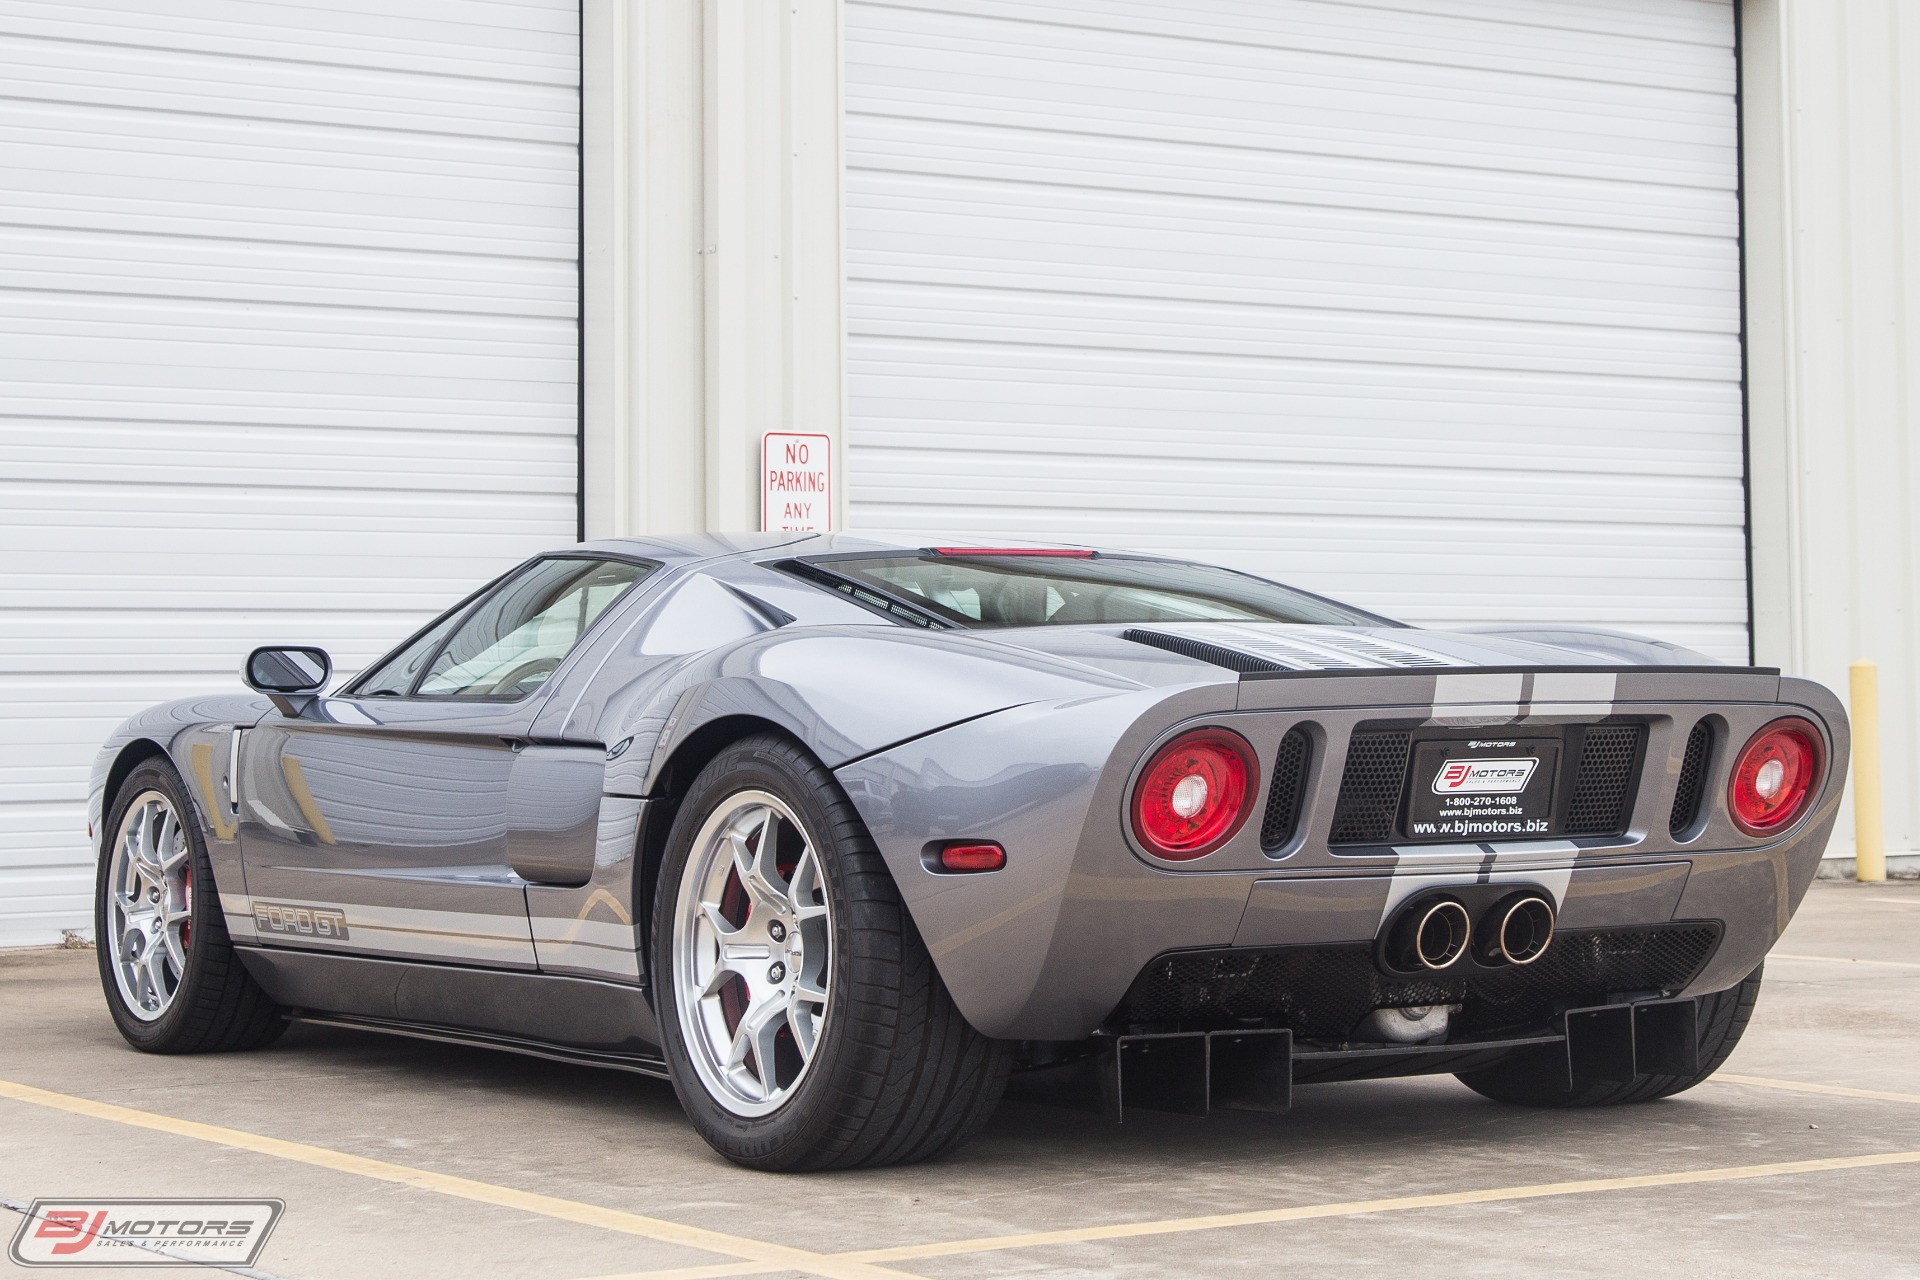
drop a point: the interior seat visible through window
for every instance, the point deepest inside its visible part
(518, 636)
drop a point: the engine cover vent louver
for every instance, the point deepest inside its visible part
(1255, 647)
(1385, 653)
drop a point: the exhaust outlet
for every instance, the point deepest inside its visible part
(1517, 930)
(1429, 935)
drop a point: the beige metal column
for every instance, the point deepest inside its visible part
(1832, 132)
(713, 281)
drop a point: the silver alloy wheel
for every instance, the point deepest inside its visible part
(149, 905)
(752, 948)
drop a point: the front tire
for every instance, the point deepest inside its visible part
(1533, 1081)
(172, 980)
(804, 1024)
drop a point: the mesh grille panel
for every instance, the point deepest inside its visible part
(1323, 992)
(1603, 787)
(1693, 779)
(1288, 791)
(1370, 788)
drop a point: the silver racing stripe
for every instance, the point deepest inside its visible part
(238, 910)
(1547, 864)
(1485, 698)
(1585, 694)
(1475, 698)
(600, 946)
(441, 935)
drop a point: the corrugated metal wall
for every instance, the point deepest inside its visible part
(1432, 306)
(287, 352)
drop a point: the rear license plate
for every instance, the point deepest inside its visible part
(1482, 788)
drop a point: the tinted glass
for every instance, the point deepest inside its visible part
(1033, 591)
(396, 675)
(518, 635)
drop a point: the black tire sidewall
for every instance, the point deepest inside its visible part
(807, 1121)
(206, 925)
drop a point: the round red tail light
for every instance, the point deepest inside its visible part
(1194, 794)
(1774, 775)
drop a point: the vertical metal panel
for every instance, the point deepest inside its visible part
(1434, 307)
(712, 212)
(288, 350)
(1833, 275)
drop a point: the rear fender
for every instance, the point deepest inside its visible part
(842, 692)
(1045, 781)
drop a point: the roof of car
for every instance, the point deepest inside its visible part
(689, 548)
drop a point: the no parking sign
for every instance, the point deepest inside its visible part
(796, 482)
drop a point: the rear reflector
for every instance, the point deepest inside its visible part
(1059, 553)
(984, 856)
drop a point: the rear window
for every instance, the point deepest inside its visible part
(1061, 590)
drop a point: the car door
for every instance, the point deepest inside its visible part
(377, 822)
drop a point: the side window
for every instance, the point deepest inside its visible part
(517, 637)
(395, 677)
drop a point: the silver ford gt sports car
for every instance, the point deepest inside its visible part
(840, 833)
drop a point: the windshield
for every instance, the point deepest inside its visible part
(1061, 589)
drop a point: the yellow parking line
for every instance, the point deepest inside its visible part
(1889, 964)
(1301, 1213)
(755, 1257)
(1800, 1086)
(758, 1256)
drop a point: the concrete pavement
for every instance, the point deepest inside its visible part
(403, 1158)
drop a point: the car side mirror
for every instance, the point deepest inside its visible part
(291, 676)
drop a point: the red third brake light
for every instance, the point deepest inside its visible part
(1195, 794)
(1774, 775)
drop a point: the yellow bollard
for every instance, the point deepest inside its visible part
(1869, 832)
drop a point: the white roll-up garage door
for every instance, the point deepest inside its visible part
(288, 299)
(1433, 305)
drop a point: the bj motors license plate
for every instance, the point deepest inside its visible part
(1482, 788)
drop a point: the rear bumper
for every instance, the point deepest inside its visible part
(1051, 947)
(1323, 992)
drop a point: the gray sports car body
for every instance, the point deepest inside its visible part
(1189, 833)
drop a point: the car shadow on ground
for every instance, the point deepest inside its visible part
(1398, 1121)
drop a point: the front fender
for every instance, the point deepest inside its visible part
(195, 736)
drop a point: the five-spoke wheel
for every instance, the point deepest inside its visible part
(753, 941)
(801, 1017)
(149, 905)
(169, 971)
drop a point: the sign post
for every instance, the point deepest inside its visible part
(796, 482)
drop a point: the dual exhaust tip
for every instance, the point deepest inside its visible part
(1434, 933)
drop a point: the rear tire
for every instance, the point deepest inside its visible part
(193, 995)
(894, 1074)
(1539, 1081)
